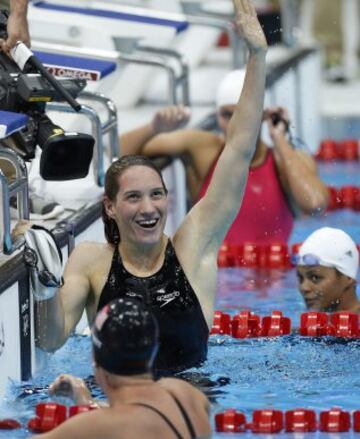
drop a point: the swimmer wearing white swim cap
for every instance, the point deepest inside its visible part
(327, 266)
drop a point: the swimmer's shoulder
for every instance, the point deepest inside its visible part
(91, 253)
(182, 389)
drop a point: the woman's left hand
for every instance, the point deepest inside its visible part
(248, 25)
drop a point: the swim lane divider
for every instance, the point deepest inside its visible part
(48, 416)
(277, 255)
(246, 324)
(331, 150)
(299, 420)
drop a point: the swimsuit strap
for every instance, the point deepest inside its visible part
(165, 418)
(186, 417)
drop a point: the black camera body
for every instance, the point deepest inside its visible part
(65, 156)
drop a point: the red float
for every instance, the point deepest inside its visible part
(314, 324)
(346, 324)
(267, 421)
(248, 255)
(48, 416)
(328, 150)
(221, 324)
(334, 199)
(245, 324)
(349, 196)
(356, 421)
(277, 256)
(348, 150)
(275, 325)
(230, 421)
(335, 421)
(300, 420)
(9, 424)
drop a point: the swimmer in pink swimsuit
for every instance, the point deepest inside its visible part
(265, 195)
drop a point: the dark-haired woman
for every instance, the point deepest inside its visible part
(177, 277)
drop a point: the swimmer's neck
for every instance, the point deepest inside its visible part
(350, 303)
(347, 303)
(143, 260)
(122, 389)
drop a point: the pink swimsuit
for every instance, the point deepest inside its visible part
(264, 216)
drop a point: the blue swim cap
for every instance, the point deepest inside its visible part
(125, 337)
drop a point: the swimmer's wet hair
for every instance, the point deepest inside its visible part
(112, 175)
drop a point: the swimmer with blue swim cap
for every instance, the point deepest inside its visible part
(125, 339)
(327, 266)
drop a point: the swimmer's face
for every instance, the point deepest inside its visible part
(140, 207)
(322, 287)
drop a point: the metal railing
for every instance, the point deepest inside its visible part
(19, 188)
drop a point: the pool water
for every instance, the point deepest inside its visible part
(283, 373)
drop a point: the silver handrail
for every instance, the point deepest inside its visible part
(18, 188)
(156, 57)
(183, 79)
(110, 125)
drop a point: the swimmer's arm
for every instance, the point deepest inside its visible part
(176, 143)
(214, 214)
(300, 178)
(165, 120)
(58, 316)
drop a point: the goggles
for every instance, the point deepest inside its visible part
(307, 259)
(45, 277)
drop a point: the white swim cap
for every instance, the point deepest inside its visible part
(330, 247)
(230, 87)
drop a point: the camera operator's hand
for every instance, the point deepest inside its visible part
(17, 26)
(278, 122)
(170, 119)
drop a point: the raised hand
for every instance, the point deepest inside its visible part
(170, 119)
(71, 387)
(278, 121)
(248, 26)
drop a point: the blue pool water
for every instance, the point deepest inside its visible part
(283, 373)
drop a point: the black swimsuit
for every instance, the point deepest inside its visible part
(183, 329)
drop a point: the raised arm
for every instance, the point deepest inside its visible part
(57, 317)
(297, 169)
(210, 219)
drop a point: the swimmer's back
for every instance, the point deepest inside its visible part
(135, 421)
